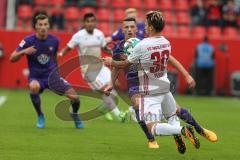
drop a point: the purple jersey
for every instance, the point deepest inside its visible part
(43, 61)
(42, 64)
(131, 72)
(118, 35)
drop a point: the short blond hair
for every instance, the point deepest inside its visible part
(130, 10)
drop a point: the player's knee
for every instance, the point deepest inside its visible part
(72, 95)
(34, 87)
(178, 109)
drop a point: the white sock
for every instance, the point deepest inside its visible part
(164, 129)
(111, 105)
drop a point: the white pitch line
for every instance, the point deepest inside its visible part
(2, 100)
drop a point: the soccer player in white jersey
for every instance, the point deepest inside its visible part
(157, 102)
(89, 42)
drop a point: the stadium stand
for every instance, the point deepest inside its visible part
(176, 12)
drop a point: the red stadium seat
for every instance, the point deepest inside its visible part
(199, 31)
(150, 4)
(230, 32)
(103, 3)
(193, 2)
(118, 15)
(214, 32)
(24, 24)
(103, 14)
(105, 27)
(25, 11)
(86, 10)
(71, 13)
(183, 18)
(165, 4)
(135, 3)
(169, 17)
(72, 26)
(41, 2)
(181, 5)
(183, 31)
(168, 31)
(119, 3)
(57, 2)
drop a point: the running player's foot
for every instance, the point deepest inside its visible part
(188, 132)
(41, 122)
(209, 135)
(153, 145)
(108, 116)
(181, 147)
(77, 121)
(123, 116)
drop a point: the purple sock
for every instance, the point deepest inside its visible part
(36, 103)
(143, 125)
(75, 106)
(188, 118)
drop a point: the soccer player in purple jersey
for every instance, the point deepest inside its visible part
(118, 35)
(41, 51)
(129, 29)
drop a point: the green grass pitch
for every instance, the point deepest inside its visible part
(104, 140)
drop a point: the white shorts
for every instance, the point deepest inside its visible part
(155, 108)
(99, 79)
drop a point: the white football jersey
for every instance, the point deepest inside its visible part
(152, 53)
(89, 47)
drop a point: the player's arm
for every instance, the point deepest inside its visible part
(64, 51)
(107, 50)
(70, 45)
(16, 55)
(116, 64)
(173, 61)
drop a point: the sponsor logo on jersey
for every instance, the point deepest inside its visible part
(22, 43)
(43, 58)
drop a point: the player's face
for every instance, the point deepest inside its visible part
(90, 24)
(129, 29)
(148, 29)
(42, 26)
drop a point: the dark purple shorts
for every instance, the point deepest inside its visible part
(54, 82)
(133, 85)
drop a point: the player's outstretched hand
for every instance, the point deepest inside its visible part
(30, 50)
(60, 54)
(107, 61)
(108, 89)
(190, 81)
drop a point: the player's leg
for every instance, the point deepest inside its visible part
(35, 87)
(99, 83)
(151, 140)
(61, 87)
(186, 116)
(75, 103)
(169, 112)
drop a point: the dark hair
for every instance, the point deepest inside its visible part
(129, 19)
(156, 20)
(205, 39)
(88, 15)
(40, 16)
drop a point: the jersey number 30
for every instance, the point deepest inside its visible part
(160, 60)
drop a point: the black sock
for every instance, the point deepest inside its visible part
(188, 118)
(143, 125)
(75, 105)
(36, 103)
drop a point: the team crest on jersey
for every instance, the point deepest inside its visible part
(22, 43)
(43, 58)
(51, 48)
